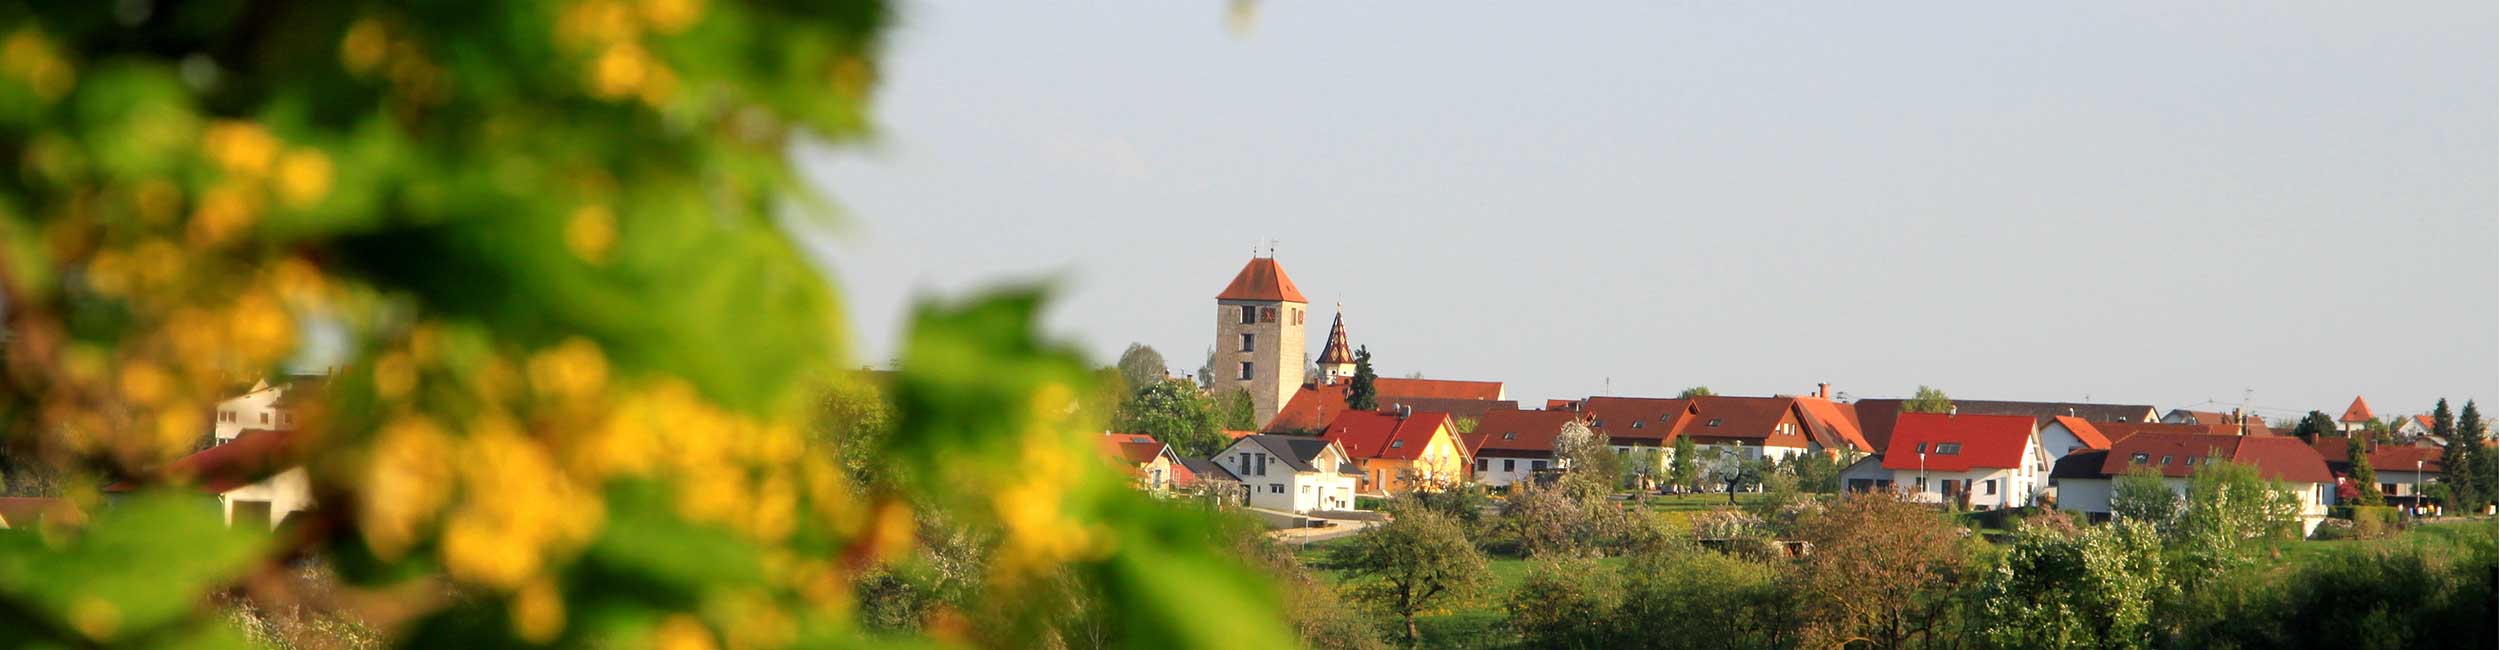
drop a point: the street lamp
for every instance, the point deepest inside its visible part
(2417, 490)
(1922, 476)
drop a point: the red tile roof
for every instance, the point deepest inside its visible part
(1133, 448)
(2424, 420)
(2084, 431)
(1381, 435)
(1737, 418)
(1262, 280)
(1517, 433)
(2338, 454)
(2275, 457)
(2118, 432)
(251, 456)
(1840, 420)
(1313, 406)
(1984, 441)
(1637, 420)
(2358, 412)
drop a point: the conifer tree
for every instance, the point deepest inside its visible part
(2463, 487)
(2469, 462)
(2364, 476)
(1361, 396)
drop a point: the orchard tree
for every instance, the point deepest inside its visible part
(1416, 562)
(2076, 588)
(1928, 400)
(1884, 570)
(1685, 465)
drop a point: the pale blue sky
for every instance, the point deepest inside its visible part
(2150, 202)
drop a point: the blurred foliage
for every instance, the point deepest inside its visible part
(549, 249)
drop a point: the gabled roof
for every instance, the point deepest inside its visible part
(2084, 431)
(2424, 420)
(1876, 414)
(251, 456)
(1262, 281)
(1636, 420)
(2386, 458)
(1315, 405)
(1336, 350)
(1383, 435)
(2275, 457)
(2119, 431)
(1296, 452)
(1955, 443)
(1740, 418)
(2358, 412)
(1132, 448)
(1517, 432)
(1834, 424)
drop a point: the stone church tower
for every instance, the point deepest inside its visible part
(1258, 336)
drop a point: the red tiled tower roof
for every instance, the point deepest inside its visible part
(2358, 412)
(1262, 280)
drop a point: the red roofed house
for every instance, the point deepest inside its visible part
(1313, 406)
(1149, 463)
(1635, 424)
(2415, 427)
(1508, 446)
(2402, 470)
(2067, 434)
(1985, 462)
(1401, 452)
(2083, 478)
(2356, 417)
(256, 476)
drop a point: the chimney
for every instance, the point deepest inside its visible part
(1823, 390)
(1405, 411)
(2070, 411)
(1953, 410)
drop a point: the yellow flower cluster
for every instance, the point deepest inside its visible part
(1038, 532)
(373, 46)
(611, 32)
(256, 167)
(31, 59)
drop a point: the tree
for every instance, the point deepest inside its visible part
(2142, 494)
(2470, 455)
(2231, 511)
(2364, 477)
(2093, 588)
(1206, 371)
(1140, 365)
(1567, 602)
(1684, 466)
(2315, 424)
(1928, 400)
(1689, 598)
(1883, 569)
(1236, 411)
(1463, 426)
(1696, 391)
(1359, 393)
(2463, 486)
(1174, 412)
(1418, 561)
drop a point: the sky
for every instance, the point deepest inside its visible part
(2190, 205)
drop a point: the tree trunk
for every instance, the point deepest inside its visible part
(1412, 637)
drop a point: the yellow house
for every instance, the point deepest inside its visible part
(1401, 451)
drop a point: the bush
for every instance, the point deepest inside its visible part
(1696, 599)
(1568, 601)
(2373, 522)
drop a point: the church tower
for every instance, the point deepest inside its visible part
(1336, 357)
(1258, 336)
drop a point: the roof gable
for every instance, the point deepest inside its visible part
(2083, 430)
(2358, 412)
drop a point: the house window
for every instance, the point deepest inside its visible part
(264, 418)
(1991, 485)
(1922, 448)
(1636, 424)
(1267, 314)
(1249, 314)
(1249, 342)
(2165, 459)
(1599, 422)
(1510, 465)
(1948, 448)
(1536, 465)
(1714, 422)
(1245, 370)
(1484, 464)
(1275, 488)
(1922, 484)
(2141, 458)
(1393, 444)
(1510, 435)
(1297, 317)
(1306, 489)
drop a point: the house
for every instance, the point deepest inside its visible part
(1632, 424)
(257, 478)
(2066, 434)
(1297, 474)
(274, 406)
(1985, 462)
(28, 512)
(2414, 427)
(1509, 446)
(2084, 479)
(1877, 414)
(1401, 451)
(1314, 405)
(1751, 426)
(2356, 417)
(2402, 470)
(1150, 464)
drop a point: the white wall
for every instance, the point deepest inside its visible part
(2056, 441)
(1493, 472)
(286, 493)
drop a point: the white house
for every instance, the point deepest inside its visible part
(2084, 479)
(1297, 474)
(273, 406)
(2066, 434)
(1510, 446)
(2415, 426)
(255, 476)
(1983, 462)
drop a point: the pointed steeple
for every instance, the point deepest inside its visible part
(2358, 413)
(1336, 358)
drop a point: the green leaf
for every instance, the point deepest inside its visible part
(142, 564)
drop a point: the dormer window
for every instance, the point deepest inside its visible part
(1714, 422)
(1636, 424)
(1922, 447)
(2165, 459)
(1510, 435)
(1394, 444)
(2141, 458)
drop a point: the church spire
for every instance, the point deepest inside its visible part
(1336, 358)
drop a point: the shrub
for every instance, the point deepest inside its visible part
(2373, 522)
(1693, 599)
(1568, 601)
